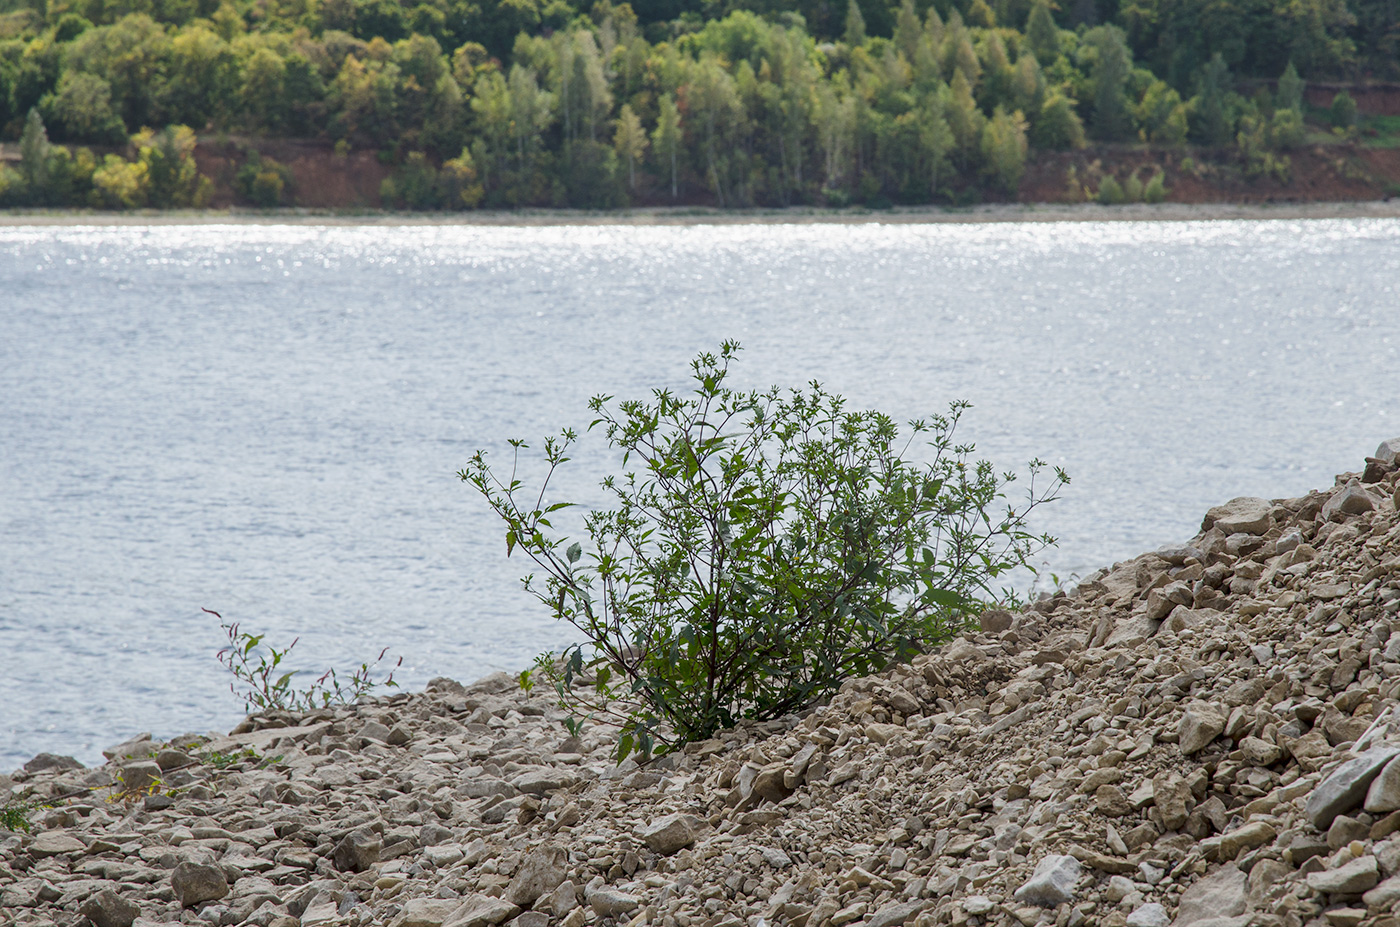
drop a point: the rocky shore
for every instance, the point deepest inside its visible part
(1203, 736)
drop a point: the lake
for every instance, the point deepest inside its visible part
(267, 420)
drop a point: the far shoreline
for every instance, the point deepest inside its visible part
(684, 216)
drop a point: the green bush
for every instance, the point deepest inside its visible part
(263, 182)
(1156, 190)
(1110, 191)
(1132, 189)
(764, 546)
(1343, 111)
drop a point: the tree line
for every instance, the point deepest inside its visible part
(519, 102)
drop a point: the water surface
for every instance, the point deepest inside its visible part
(267, 420)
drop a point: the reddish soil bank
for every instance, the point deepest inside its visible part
(323, 179)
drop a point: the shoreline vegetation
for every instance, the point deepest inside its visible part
(685, 215)
(462, 104)
(1206, 735)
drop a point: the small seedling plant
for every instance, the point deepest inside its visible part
(263, 685)
(763, 546)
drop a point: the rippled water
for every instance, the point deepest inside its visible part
(267, 420)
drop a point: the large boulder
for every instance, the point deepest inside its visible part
(195, 882)
(1245, 515)
(1052, 883)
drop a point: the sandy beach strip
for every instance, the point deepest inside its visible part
(1051, 212)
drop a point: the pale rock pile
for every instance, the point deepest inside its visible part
(1205, 736)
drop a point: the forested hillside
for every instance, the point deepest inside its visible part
(542, 102)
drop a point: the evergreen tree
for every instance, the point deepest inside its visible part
(1042, 35)
(34, 150)
(907, 31)
(1113, 63)
(1290, 90)
(1212, 123)
(855, 25)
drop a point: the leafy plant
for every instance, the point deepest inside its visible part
(266, 687)
(1110, 191)
(1156, 190)
(221, 760)
(15, 812)
(766, 546)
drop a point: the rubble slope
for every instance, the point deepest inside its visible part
(1204, 736)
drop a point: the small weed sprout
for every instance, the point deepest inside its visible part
(267, 687)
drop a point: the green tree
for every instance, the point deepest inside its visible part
(80, 110)
(1343, 110)
(908, 31)
(965, 119)
(1290, 90)
(855, 25)
(1162, 115)
(1004, 149)
(459, 181)
(1042, 35)
(531, 113)
(630, 141)
(120, 184)
(1212, 119)
(171, 175)
(129, 55)
(200, 79)
(1112, 65)
(1058, 125)
(666, 141)
(262, 97)
(34, 149)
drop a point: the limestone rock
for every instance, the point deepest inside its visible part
(56, 843)
(1245, 515)
(995, 620)
(543, 870)
(611, 903)
(543, 780)
(1359, 875)
(1173, 799)
(1346, 787)
(1246, 837)
(195, 882)
(1200, 724)
(1349, 500)
(1221, 894)
(670, 834)
(426, 912)
(108, 909)
(1383, 895)
(50, 761)
(357, 851)
(1384, 792)
(895, 915)
(1149, 915)
(1052, 883)
(481, 911)
(138, 777)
